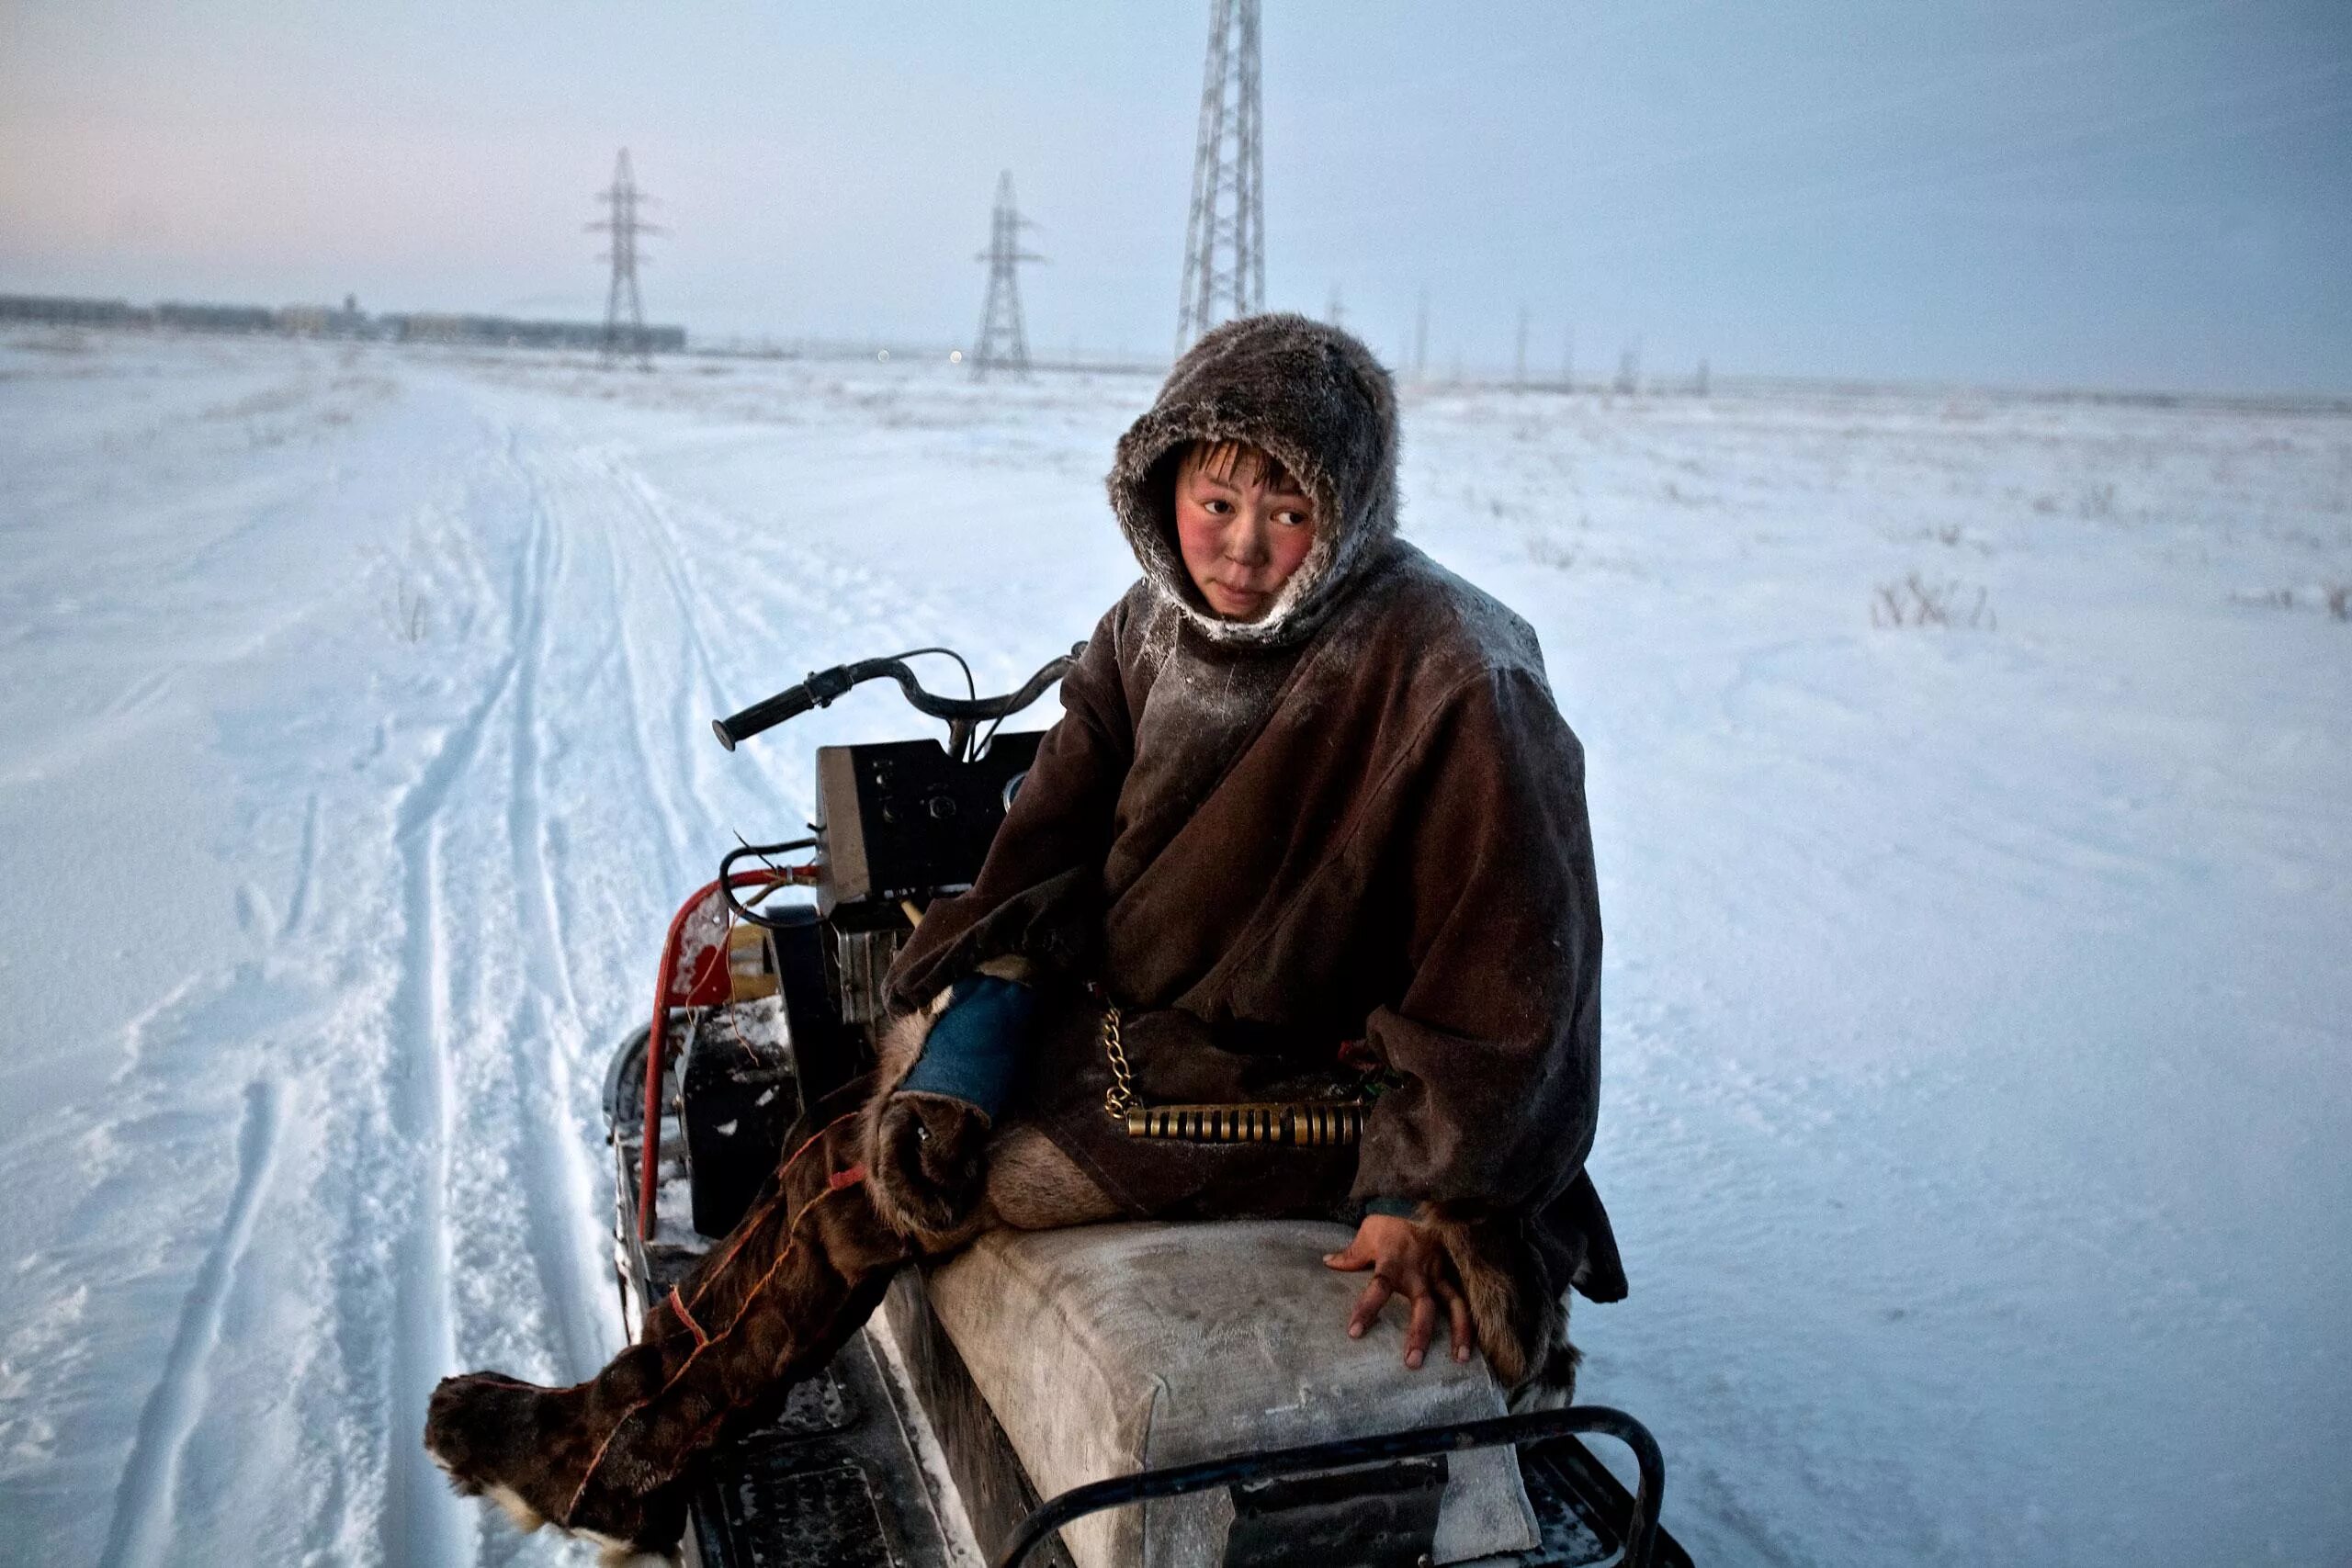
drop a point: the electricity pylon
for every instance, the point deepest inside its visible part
(622, 222)
(1224, 236)
(1005, 342)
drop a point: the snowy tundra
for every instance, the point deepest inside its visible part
(1977, 1098)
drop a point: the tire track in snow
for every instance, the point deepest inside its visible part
(425, 1525)
(561, 1210)
(845, 632)
(305, 864)
(657, 783)
(646, 503)
(421, 1524)
(695, 665)
(144, 1497)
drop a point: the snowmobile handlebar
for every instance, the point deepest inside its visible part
(1640, 1538)
(823, 685)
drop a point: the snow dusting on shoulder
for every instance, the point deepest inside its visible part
(1473, 621)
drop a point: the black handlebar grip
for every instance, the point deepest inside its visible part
(816, 691)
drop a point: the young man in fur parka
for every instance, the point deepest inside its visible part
(1310, 827)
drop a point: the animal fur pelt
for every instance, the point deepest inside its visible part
(1522, 1327)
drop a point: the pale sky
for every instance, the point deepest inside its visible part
(2041, 192)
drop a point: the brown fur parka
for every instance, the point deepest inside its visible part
(1356, 824)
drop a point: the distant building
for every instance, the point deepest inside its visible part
(216, 317)
(324, 320)
(64, 312)
(507, 332)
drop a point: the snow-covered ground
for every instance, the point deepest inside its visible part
(1977, 1102)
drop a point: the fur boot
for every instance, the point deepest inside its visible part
(614, 1458)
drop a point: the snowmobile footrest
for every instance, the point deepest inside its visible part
(832, 1480)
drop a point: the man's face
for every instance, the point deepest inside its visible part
(1241, 539)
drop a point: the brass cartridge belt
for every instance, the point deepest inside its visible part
(1326, 1124)
(1312, 1125)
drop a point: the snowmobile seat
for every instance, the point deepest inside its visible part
(1107, 1350)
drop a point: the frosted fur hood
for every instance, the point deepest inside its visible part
(1314, 398)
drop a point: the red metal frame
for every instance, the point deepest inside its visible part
(707, 987)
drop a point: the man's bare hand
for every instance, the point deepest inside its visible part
(1406, 1261)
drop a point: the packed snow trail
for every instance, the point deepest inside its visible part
(142, 1514)
(431, 1006)
(1975, 1085)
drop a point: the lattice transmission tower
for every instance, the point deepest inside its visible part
(1224, 236)
(1004, 340)
(625, 335)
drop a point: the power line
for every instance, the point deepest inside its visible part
(625, 334)
(1948, 81)
(2033, 154)
(1003, 343)
(1225, 233)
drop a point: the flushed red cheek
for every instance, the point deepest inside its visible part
(1199, 546)
(1290, 547)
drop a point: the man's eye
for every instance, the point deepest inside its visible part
(1296, 519)
(1215, 508)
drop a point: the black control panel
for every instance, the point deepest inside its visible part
(903, 819)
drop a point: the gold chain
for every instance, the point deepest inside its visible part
(1119, 1098)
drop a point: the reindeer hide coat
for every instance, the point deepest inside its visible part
(1355, 827)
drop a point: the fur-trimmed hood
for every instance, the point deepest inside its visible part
(1316, 400)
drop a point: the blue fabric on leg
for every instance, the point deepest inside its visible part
(973, 1053)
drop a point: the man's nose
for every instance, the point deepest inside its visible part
(1246, 543)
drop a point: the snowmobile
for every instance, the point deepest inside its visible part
(900, 1450)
